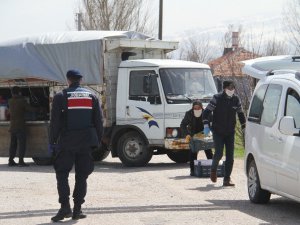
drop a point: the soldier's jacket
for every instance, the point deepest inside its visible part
(76, 119)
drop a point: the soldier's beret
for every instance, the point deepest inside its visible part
(74, 73)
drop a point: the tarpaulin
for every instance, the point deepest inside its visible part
(49, 56)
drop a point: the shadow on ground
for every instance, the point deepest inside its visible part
(100, 167)
(280, 211)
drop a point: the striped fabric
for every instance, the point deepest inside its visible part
(79, 100)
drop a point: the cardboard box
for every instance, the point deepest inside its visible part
(202, 168)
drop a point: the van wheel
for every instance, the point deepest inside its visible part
(133, 150)
(179, 156)
(256, 194)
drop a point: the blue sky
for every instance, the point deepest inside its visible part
(24, 17)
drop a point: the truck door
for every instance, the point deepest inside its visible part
(144, 107)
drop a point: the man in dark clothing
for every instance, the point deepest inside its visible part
(224, 107)
(17, 109)
(76, 128)
(191, 125)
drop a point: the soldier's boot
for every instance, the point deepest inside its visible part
(22, 163)
(77, 213)
(64, 212)
(11, 162)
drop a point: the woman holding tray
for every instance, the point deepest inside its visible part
(191, 125)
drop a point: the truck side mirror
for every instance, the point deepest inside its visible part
(287, 126)
(147, 83)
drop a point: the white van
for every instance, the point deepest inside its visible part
(272, 150)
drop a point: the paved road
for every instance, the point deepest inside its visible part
(162, 193)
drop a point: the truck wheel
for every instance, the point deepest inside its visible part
(179, 156)
(100, 154)
(133, 150)
(255, 193)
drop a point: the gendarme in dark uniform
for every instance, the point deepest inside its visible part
(76, 128)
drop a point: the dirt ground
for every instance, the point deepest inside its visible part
(162, 193)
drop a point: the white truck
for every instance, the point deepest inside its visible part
(144, 96)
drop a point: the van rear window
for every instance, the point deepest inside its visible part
(256, 107)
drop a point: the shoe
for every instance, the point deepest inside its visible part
(22, 164)
(228, 183)
(61, 214)
(213, 176)
(78, 215)
(12, 163)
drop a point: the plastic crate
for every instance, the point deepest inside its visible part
(197, 144)
(202, 168)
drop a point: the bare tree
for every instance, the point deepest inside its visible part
(292, 21)
(260, 45)
(275, 47)
(196, 48)
(118, 15)
(253, 41)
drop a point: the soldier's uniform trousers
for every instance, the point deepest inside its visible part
(84, 166)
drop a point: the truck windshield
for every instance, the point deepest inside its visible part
(183, 85)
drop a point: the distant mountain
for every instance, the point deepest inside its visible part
(255, 30)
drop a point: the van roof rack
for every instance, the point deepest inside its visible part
(279, 72)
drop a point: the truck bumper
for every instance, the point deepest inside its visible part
(176, 143)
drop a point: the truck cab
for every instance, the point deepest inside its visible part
(152, 98)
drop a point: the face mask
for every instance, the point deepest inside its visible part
(197, 113)
(229, 93)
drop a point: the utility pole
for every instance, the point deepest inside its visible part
(160, 19)
(79, 15)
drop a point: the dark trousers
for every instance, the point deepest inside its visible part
(17, 140)
(193, 156)
(220, 141)
(84, 166)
